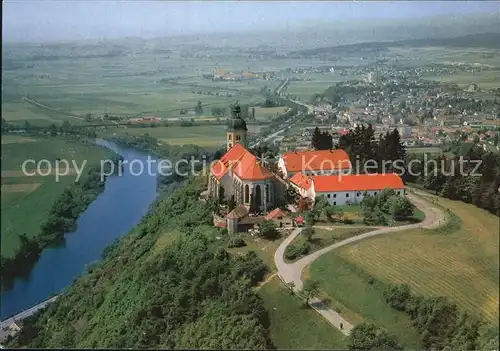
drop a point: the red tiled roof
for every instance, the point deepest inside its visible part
(276, 213)
(249, 168)
(301, 181)
(227, 161)
(344, 131)
(360, 182)
(244, 164)
(316, 160)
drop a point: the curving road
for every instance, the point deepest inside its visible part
(288, 273)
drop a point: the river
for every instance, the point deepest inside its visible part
(120, 207)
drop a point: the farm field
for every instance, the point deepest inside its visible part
(484, 80)
(211, 136)
(292, 325)
(319, 83)
(268, 113)
(462, 265)
(146, 84)
(33, 196)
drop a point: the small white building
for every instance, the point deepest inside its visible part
(347, 189)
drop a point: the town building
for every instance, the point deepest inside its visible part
(257, 193)
(314, 162)
(347, 189)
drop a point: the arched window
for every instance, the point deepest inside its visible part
(247, 194)
(268, 198)
(230, 137)
(238, 138)
(258, 195)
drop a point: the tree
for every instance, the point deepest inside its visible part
(268, 230)
(309, 289)
(291, 195)
(320, 204)
(308, 232)
(5, 125)
(231, 204)
(400, 207)
(199, 108)
(303, 204)
(321, 140)
(366, 336)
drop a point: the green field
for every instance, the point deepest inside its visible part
(211, 136)
(293, 326)
(268, 113)
(316, 83)
(33, 196)
(462, 265)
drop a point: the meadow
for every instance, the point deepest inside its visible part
(33, 196)
(294, 326)
(461, 263)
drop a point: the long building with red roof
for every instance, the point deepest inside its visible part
(314, 162)
(347, 189)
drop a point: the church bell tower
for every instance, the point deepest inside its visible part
(236, 128)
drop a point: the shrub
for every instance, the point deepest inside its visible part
(236, 241)
(367, 335)
(295, 251)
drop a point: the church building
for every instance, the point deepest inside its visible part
(240, 175)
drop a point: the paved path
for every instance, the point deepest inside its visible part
(345, 226)
(434, 217)
(26, 313)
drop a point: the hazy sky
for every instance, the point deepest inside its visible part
(47, 20)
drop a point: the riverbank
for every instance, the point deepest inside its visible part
(62, 219)
(52, 201)
(149, 272)
(118, 209)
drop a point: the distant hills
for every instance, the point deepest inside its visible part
(483, 40)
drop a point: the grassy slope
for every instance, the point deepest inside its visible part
(462, 264)
(37, 204)
(342, 283)
(292, 325)
(326, 237)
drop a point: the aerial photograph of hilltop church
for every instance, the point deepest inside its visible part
(250, 175)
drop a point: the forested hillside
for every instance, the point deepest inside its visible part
(167, 284)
